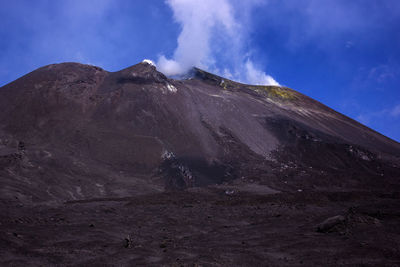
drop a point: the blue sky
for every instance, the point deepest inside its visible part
(345, 54)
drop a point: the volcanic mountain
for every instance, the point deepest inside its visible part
(74, 133)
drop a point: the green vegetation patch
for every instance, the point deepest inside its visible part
(275, 92)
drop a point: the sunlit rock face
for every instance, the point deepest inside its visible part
(71, 131)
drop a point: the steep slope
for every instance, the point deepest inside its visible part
(71, 131)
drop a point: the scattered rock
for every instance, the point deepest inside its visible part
(128, 242)
(331, 224)
(229, 192)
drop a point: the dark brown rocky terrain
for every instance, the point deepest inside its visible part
(134, 168)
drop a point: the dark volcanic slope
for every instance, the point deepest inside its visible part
(71, 131)
(132, 168)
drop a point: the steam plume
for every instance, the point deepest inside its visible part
(210, 31)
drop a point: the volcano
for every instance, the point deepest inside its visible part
(135, 168)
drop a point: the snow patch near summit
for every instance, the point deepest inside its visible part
(150, 62)
(171, 88)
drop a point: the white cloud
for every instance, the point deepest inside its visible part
(363, 118)
(368, 117)
(170, 67)
(198, 20)
(257, 77)
(395, 112)
(381, 73)
(148, 61)
(211, 32)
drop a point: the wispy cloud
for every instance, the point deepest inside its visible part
(327, 24)
(257, 77)
(43, 32)
(385, 121)
(199, 21)
(388, 113)
(210, 33)
(382, 73)
(380, 77)
(395, 112)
